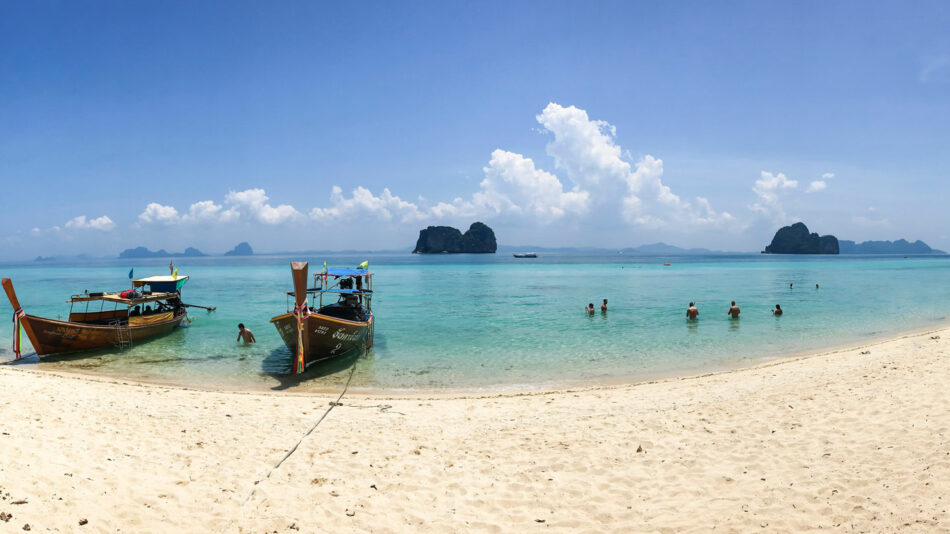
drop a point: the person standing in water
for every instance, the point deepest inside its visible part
(734, 311)
(245, 334)
(589, 309)
(692, 312)
(603, 307)
(777, 311)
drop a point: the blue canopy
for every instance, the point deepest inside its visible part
(343, 271)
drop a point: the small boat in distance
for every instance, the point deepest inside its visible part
(329, 330)
(526, 255)
(122, 318)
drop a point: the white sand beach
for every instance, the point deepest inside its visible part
(854, 440)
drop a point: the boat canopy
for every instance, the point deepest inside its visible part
(116, 298)
(343, 271)
(163, 284)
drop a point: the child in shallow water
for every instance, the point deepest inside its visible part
(589, 309)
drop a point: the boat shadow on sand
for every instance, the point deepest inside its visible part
(278, 364)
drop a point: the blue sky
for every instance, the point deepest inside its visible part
(699, 124)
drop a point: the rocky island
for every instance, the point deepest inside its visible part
(796, 239)
(479, 239)
(242, 249)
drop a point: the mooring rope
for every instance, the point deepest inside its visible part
(333, 404)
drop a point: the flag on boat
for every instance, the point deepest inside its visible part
(364, 265)
(130, 272)
(175, 274)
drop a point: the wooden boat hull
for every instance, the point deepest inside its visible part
(328, 337)
(50, 336)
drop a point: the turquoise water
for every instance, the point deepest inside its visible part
(474, 321)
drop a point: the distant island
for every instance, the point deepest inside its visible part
(142, 252)
(796, 239)
(901, 246)
(242, 249)
(662, 249)
(479, 239)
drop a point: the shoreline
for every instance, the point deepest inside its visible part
(502, 390)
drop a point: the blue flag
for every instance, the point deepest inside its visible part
(130, 272)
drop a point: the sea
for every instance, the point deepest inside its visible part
(493, 322)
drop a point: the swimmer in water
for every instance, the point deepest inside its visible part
(734, 311)
(777, 311)
(245, 334)
(692, 312)
(590, 309)
(603, 307)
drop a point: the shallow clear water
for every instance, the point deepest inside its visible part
(494, 321)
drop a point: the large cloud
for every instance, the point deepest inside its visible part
(604, 189)
(250, 204)
(586, 150)
(253, 203)
(513, 185)
(363, 203)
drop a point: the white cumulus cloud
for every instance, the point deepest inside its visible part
(769, 188)
(362, 202)
(587, 152)
(157, 213)
(253, 204)
(103, 223)
(512, 184)
(816, 185)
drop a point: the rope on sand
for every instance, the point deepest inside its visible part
(333, 404)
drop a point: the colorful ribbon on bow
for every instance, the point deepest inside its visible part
(303, 310)
(18, 314)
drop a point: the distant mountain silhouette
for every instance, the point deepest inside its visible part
(242, 249)
(142, 252)
(662, 249)
(653, 249)
(901, 246)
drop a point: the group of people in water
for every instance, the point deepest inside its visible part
(590, 308)
(692, 313)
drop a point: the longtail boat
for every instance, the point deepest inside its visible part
(328, 330)
(106, 319)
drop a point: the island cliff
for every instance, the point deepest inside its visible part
(795, 239)
(437, 239)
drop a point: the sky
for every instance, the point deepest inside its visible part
(312, 126)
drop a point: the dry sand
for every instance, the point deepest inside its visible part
(847, 440)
